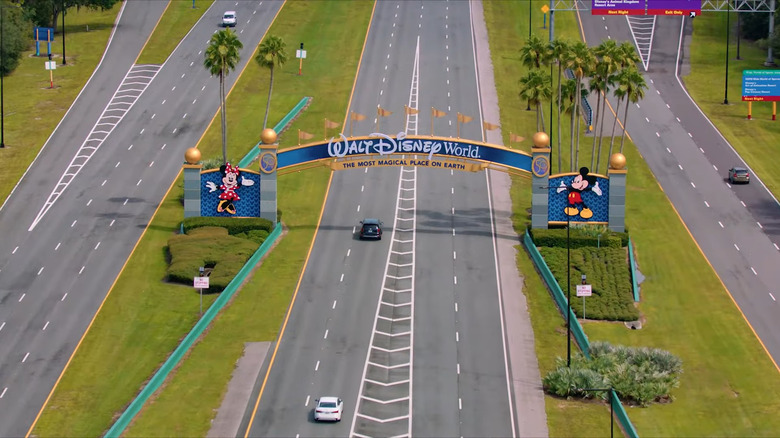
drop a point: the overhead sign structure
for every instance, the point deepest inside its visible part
(646, 7)
(689, 8)
(617, 7)
(761, 85)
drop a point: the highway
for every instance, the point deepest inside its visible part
(77, 213)
(737, 227)
(406, 330)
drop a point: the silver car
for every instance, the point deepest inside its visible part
(328, 409)
(739, 174)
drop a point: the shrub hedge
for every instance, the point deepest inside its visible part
(580, 237)
(233, 225)
(608, 274)
(639, 375)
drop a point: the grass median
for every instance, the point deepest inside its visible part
(729, 382)
(144, 318)
(31, 108)
(178, 19)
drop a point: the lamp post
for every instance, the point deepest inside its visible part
(63, 33)
(200, 289)
(611, 408)
(2, 75)
(568, 287)
(728, 32)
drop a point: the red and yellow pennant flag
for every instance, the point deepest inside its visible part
(489, 126)
(357, 116)
(410, 111)
(514, 138)
(381, 112)
(303, 135)
(437, 113)
(330, 124)
(464, 119)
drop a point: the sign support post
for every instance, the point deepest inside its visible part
(201, 282)
(300, 54)
(584, 290)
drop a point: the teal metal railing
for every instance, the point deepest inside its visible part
(279, 128)
(632, 261)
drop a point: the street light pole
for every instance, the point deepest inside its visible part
(63, 33)
(609, 391)
(568, 289)
(2, 75)
(200, 272)
(728, 32)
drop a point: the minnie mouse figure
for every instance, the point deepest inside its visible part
(230, 184)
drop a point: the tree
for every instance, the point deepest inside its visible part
(635, 87)
(581, 63)
(44, 13)
(607, 54)
(621, 80)
(533, 54)
(220, 58)
(271, 53)
(535, 88)
(15, 32)
(559, 53)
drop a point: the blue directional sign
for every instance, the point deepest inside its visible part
(45, 34)
(761, 85)
(674, 7)
(617, 7)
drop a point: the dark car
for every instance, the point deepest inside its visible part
(371, 229)
(739, 174)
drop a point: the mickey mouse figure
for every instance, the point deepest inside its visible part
(230, 184)
(581, 183)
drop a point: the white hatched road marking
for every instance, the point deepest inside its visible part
(86, 151)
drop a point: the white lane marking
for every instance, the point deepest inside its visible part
(678, 119)
(743, 203)
(163, 146)
(457, 337)
(735, 246)
(2, 325)
(694, 185)
(3, 393)
(452, 190)
(657, 135)
(74, 223)
(104, 182)
(349, 251)
(334, 304)
(707, 204)
(721, 224)
(754, 271)
(174, 130)
(14, 251)
(362, 188)
(454, 255)
(668, 150)
(40, 270)
(715, 167)
(45, 325)
(460, 404)
(89, 202)
(307, 401)
(680, 166)
(358, 209)
(142, 131)
(172, 89)
(353, 230)
(453, 231)
(773, 297)
(163, 102)
(192, 63)
(458, 367)
(203, 88)
(453, 210)
(81, 270)
(125, 203)
(729, 185)
(194, 100)
(326, 334)
(63, 297)
(154, 115)
(24, 359)
(117, 164)
(760, 226)
(112, 223)
(97, 246)
(342, 278)
(689, 135)
(648, 120)
(456, 307)
(702, 150)
(456, 279)
(317, 366)
(151, 164)
(667, 105)
(184, 116)
(776, 247)
(138, 183)
(58, 246)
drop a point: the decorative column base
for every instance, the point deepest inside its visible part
(617, 192)
(268, 182)
(540, 178)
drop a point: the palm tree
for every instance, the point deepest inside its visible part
(568, 101)
(535, 88)
(533, 54)
(635, 91)
(581, 62)
(621, 80)
(627, 55)
(628, 58)
(271, 53)
(559, 53)
(220, 58)
(607, 53)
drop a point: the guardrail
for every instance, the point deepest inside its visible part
(587, 111)
(279, 128)
(632, 261)
(622, 416)
(159, 377)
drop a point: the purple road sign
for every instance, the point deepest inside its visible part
(617, 7)
(674, 7)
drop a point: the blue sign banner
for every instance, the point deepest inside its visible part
(230, 192)
(674, 7)
(578, 197)
(761, 85)
(430, 148)
(617, 7)
(43, 34)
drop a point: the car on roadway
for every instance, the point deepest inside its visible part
(371, 228)
(229, 19)
(739, 174)
(328, 409)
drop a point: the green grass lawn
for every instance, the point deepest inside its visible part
(178, 19)
(756, 139)
(144, 320)
(729, 382)
(32, 110)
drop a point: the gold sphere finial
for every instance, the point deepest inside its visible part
(192, 156)
(541, 140)
(617, 161)
(268, 136)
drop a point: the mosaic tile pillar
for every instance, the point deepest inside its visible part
(540, 176)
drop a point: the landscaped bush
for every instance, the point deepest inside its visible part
(579, 237)
(233, 225)
(608, 274)
(639, 375)
(209, 246)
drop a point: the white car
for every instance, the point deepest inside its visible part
(229, 19)
(328, 409)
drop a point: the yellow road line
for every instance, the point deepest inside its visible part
(152, 33)
(311, 247)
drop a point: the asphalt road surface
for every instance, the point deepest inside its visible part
(737, 227)
(63, 245)
(405, 330)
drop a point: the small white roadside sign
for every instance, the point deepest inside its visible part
(201, 283)
(584, 290)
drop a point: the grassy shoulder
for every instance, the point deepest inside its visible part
(728, 382)
(176, 21)
(32, 109)
(754, 140)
